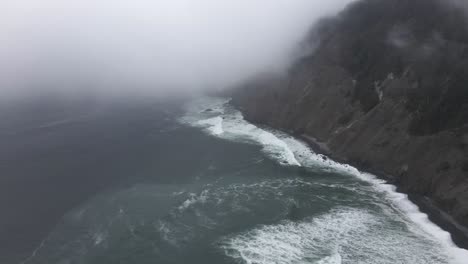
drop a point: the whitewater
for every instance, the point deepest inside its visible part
(222, 190)
(288, 242)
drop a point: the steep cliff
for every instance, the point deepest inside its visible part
(386, 89)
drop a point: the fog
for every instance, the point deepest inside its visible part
(142, 47)
(462, 4)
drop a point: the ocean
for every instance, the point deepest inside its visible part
(148, 184)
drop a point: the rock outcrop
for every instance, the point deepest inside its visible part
(387, 90)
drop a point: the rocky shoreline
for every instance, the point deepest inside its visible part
(458, 232)
(384, 91)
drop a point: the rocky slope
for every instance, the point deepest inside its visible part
(387, 90)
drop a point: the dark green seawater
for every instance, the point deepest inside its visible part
(204, 186)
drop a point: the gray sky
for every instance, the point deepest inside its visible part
(143, 46)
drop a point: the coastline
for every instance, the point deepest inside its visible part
(459, 233)
(378, 107)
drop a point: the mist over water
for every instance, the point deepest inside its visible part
(104, 166)
(146, 48)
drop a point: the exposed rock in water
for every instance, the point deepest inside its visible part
(387, 90)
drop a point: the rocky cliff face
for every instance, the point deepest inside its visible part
(387, 90)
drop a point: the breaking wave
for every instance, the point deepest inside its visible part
(214, 125)
(416, 220)
(292, 242)
(343, 234)
(217, 118)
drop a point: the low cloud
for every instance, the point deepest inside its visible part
(147, 47)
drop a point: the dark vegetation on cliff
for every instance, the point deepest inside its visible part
(424, 39)
(387, 89)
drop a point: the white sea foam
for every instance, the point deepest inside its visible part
(98, 238)
(219, 120)
(222, 121)
(400, 201)
(238, 128)
(334, 259)
(213, 125)
(346, 234)
(301, 242)
(193, 199)
(236, 197)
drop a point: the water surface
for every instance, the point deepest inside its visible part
(221, 190)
